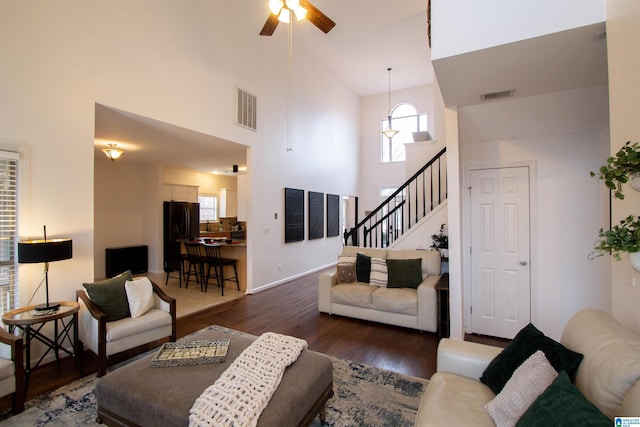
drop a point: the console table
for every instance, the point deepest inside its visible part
(442, 289)
(65, 320)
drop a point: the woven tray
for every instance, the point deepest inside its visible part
(190, 353)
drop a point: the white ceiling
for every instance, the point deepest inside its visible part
(369, 37)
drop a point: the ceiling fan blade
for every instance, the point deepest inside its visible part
(317, 18)
(270, 25)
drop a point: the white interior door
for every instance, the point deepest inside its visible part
(500, 270)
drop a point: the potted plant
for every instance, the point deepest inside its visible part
(623, 237)
(621, 168)
(441, 241)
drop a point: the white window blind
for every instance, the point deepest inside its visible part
(8, 230)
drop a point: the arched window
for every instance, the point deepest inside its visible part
(405, 119)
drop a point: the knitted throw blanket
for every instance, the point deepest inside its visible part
(244, 389)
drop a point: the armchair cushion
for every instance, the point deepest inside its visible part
(7, 368)
(524, 344)
(528, 382)
(140, 296)
(563, 404)
(110, 296)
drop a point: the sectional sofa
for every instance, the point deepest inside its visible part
(598, 354)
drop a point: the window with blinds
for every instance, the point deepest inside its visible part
(8, 230)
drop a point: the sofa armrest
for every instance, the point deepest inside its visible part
(428, 304)
(168, 304)
(16, 346)
(92, 323)
(468, 359)
(325, 282)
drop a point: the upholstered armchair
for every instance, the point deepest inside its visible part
(107, 338)
(12, 369)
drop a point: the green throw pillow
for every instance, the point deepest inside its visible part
(110, 296)
(526, 342)
(404, 273)
(562, 404)
(363, 268)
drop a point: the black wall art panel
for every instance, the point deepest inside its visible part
(333, 215)
(316, 215)
(293, 215)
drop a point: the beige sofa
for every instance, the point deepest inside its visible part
(608, 376)
(407, 307)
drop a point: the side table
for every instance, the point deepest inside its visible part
(442, 289)
(31, 323)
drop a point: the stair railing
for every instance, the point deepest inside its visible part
(411, 202)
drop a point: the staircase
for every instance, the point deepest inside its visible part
(402, 210)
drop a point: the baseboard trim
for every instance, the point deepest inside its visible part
(289, 279)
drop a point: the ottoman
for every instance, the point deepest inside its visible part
(137, 394)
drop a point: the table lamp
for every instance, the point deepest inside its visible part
(33, 251)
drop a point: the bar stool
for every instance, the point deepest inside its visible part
(215, 260)
(196, 263)
(181, 271)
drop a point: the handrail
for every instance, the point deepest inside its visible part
(407, 205)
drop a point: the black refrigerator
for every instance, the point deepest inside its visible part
(181, 222)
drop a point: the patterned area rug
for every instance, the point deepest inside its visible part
(364, 396)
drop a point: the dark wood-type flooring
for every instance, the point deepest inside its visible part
(290, 309)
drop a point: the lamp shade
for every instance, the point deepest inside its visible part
(34, 251)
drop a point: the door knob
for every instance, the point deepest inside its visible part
(523, 262)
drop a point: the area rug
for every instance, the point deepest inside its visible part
(364, 396)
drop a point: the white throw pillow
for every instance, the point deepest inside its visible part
(139, 295)
(528, 382)
(379, 274)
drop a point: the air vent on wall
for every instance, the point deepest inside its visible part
(497, 95)
(246, 110)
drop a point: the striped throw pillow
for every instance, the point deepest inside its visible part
(379, 272)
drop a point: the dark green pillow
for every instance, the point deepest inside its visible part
(404, 273)
(526, 342)
(110, 296)
(363, 268)
(562, 404)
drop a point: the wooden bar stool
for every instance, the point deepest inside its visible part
(215, 259)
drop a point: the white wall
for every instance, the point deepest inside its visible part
(623, 33)
(172, 62)
(487, 23)
(568, 207)
(375, 175)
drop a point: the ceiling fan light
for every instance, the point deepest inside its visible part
(285, 15)
(300, 12)
(292, 4)
(275, 6)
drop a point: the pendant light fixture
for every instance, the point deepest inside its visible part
(389, 132)
(112, 152)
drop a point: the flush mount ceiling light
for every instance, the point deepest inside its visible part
(112, 152)
(389, 132)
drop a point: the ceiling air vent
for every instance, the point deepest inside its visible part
(246, 110)
(497, 95)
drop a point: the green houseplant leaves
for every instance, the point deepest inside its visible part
(623, 237)
(619, 167)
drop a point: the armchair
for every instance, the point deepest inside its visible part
(12, 370)
(108, 339)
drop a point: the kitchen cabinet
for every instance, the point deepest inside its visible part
(228, 203)
(180, 193)
(242, 203)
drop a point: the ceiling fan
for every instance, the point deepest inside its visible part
(281, 11)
